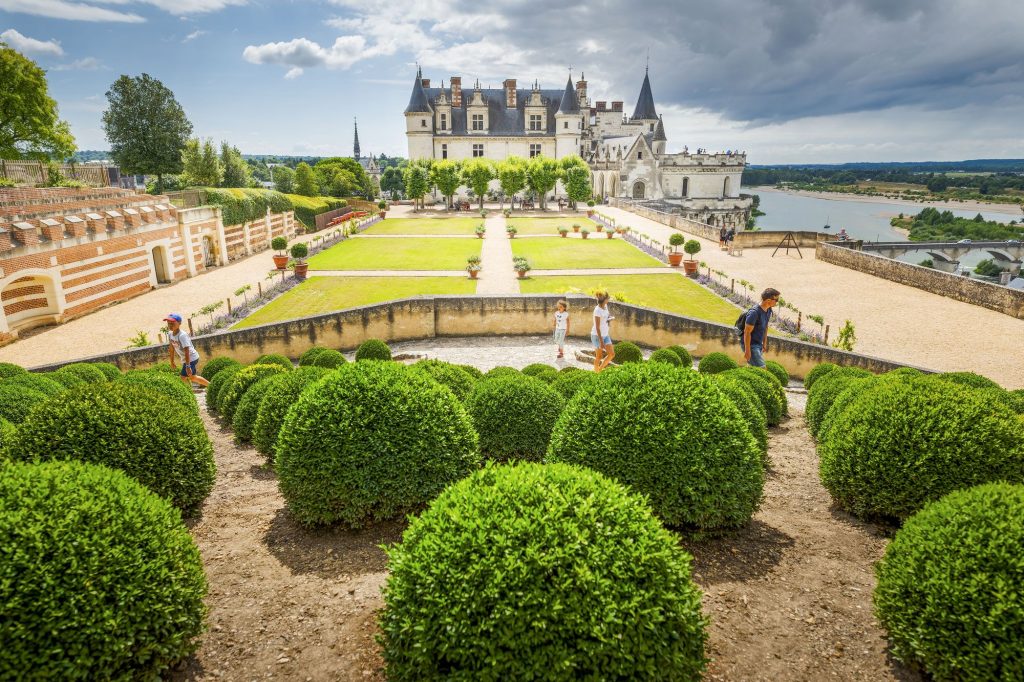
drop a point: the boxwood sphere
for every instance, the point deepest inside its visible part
(131, 428)
(329, 359)
(768, 392)
(274, 359)
(547, 376)
(713, 363)
(309, 357)
(667, 356)
(501, 371)
(248, 407)
(171, 388)
(946, 436)
(84, 371)
(455, 378)
(37, 382)
(514, 573)
(373, 349)
(17, 401)
(218, 383)
(817, 372)
(627, 352)
(100, 579)
(375, 440)
(65, 379)
(685, 359)
(949, 585)
(109, 369)
(968, 379)
(9, 369)
(472, 371)
(668, 433)
(214, 366)
(6, 435)
(514, 416)
(568, 383)
(231, 396)
(283, 391)
(747, 402)
(777, 371)
(536, 368)
(825, 392)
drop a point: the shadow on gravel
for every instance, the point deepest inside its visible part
(330, 552)
(262, 473)
(750, 552)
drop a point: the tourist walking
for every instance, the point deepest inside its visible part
(730, 237)
(561, 327)
(755, 328)
(600, 335)
(181, 346)
(722, 236)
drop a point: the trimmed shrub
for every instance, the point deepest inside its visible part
(329, 359)
(110, 370)
(825, 392)
(6, 435)
(100, 579)
(37, 382)
(278, 398)
(472, 371)
(373, 349)
(218, 383)
(166, 367)
(949, 585)
(968, 379)
(1013, 400)
(569, 383)
(777, 371)
(274, 359)
(713, 363)
(694, 456)
(308, 358)
(511, 574)
(949, 436)
(169, 387)
(502, 371)
(547, 376)
(569, 368)
(626, 352)
(909, 371)
(17, 401)
(768, 392)
(375, 440)
(84, 371)
(536, 368)
(231, 396)
(211, 368)
(685, 359)
(746, 401)
(455, 378)
(65, 379)
(9, 369)
(817, 372)
(248, 407)
(514, 416)
(667, 356)
(131, 428)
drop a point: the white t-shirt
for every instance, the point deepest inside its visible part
(602, 315)
(562, 319)
(182, 344)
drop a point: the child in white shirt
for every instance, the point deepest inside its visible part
(561, 327)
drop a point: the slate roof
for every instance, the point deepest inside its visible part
(418, 101)
(570, 103)
(645, 102)
(504, 122)
(659, 132)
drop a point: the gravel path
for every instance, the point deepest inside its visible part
(497, 276)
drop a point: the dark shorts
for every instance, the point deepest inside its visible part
(192, 366)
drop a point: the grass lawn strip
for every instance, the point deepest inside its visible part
(397, 254)
(549, 226)
(425, 226)
(319, 295)
(569, 254)
(669, 292)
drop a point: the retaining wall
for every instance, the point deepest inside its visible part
(426, 317)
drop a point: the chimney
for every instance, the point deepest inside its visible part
(75, 225)
(426, 82)
(616, 106)
(581, 92)
(602, 106)
(510, 93)
(456, 91)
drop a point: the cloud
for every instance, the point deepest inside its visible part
(304, 53)
(75, 10)
(193, 35)
(31, 46)
(85, 64)
(293, 73)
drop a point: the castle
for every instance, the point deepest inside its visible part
(626, 155)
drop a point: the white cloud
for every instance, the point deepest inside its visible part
(31, 46)
(304, 53)
(293, 73)
(65, 9)
(85, 64)
(591, 46)
(193, 35)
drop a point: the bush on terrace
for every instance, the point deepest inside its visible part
(713, 363)
(214, 366)
(569, 383)
(667, 356)
(626, 352)
(308, 358)
(685, 359)
(84, 371)
(777, 371)
(768, 391)
(278, 398)
(373, 349)
(817, 372)
(37, 382)
(231, 396)
(248, 407)
(17, 401)
(514, 416)
(274, 359)
(826, 390)
(454, 377)
(329, 359)
(9, 369)
(168, 386)
(218, 383)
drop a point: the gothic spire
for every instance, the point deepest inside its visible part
(355, 145)
(645, 103)
(570, 103)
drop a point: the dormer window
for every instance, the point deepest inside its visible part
(534, 121)
(444, 121)
(478, 121)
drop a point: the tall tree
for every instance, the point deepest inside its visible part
(146, 127)
(284, 179)
(305, 182)
(202, 167)
(29, 123)
(236, 170)
(391, 181)
(477, 174)
(576, 178)
(446, 175)
(512, 176)
(417, 182)
(541, 176)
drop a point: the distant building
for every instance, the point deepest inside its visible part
(369, 163)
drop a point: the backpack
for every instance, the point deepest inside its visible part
(741, 322)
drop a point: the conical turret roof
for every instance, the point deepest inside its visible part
(418, 101)
(645, 103)
(659, 132)
(570, 105)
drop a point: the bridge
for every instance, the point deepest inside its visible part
(946, 255)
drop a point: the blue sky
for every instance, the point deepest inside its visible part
(787, 80)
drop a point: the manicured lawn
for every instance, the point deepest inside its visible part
(318, 295)
(397, 254)
(425, 226)
(549, 225)
(576, 254)
(669, 292)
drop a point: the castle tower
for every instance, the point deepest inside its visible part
(419, 129)
(568, 123)
(644, 111)
(659, 139)
(355, 145)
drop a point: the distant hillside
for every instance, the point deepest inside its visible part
(968, 166)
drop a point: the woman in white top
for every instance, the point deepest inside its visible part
(604, 352)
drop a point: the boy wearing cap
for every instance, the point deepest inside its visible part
(181, 345)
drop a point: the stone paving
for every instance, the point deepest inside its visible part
(497, 276)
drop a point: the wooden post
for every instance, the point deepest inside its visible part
(799, 321)
(826, 334)
(190, 332)
(229, 304)
(732, 288)
(259, 286)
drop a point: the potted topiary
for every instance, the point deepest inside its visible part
(590, 208)
(600, 227)
(480, 230)
(584, 232)
(564, 231)
(575, 227)
(299, 253)
(279, 244)
(483, 213)
(675, 241)
(611, 234)
(521, 266)
(507, 212)
(473, 266)
(511, 231)
(382, 205)
(691, 247)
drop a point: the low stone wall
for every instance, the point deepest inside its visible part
(427, 317)
(992, 296)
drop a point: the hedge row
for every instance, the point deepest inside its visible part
(242, 205)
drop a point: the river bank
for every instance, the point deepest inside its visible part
(966, 205)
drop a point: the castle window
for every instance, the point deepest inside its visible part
(444, 151)
(444, 121)
(423, 123)
(478, 150)
(534, 121)
(565, 124)
(652, 127)
(639, 156)
(478, 121)
(534, 150)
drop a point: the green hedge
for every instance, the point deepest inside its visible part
(240, 205)
(694, 455)
(375, 440)
(767, 389)
(373, 349)
(744, 397)
(135, 429)
(37, 382)
(713, 363)
(110, 370)
(536, 368)
(685, 359)
(329, 359)
(968, 379)
(540, 572)
(278, 398)
(231, 396)
(472, 371)
(905, 443)
(949, 586)
(817, 372)
(274, 359)
(211, 368)
(248, 408)
(458, 380)
(9, 369)
(99, 579)
(308, 358)
(666, 355)
(65, 379)
(502, 371)
(84, 371)
(778, 371)
(826, 389)
(570, 383)
(514, 416)
(167, 386)
(308, 208)
(218, 383)
(626, 352)
(17, 401)
(7, 430)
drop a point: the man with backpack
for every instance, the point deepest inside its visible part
(752, 327)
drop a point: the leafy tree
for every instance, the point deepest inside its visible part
(284, 179)
(541, 176)
(847, 337)
(29, 123)
(305, 181)
(446, 175)
(576, 176)
(202, 167)
(236, 170)
(417, 181)
(391, 180)
(512, 176)
(987, 267)
(477, 174)
(341, 176)
(146, 127)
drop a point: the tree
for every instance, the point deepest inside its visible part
(202, 167)
(351, 181)
(477, 174)
(446, 175)
(236, 170)
(29, 123)
(417, 181)
(512, 175)
(541, 177)
(284, 179)
(146, 127)
(391, 181)
(576, 177)
(305, 182)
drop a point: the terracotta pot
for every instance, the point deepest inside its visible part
(610, 235)
(584, 235)
(600, 227)
(674, 259)
(382, 214)
(300, 270)
(522, 274)
(564, 234)
(575, 228)
(590, 213)
(511, 235)
(280, 262)
(473, 274)
(480, 235)
(690, 267)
